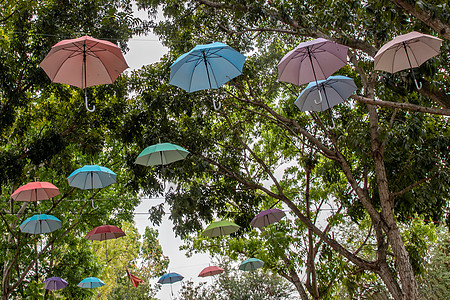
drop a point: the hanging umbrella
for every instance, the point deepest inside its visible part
(170, 278)
(336, 90)
(91, 283)
(161, 154)
(104, 233)
(407, 51)
(267, 217)
(84, 62)
(35, 191)
(38, 224)
(206, 67)
(134, 279)
(210, 271)
(92, 177)
(220, 228)
(251, 264)
(54, 283)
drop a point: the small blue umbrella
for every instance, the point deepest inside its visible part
(206, 67)
(170, 278)
(38, 224)
(336, 89)
(91, 283)
(251, 264)
(91, 177)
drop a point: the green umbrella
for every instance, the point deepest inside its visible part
(220, 228)
(251, 264)
(161, 154)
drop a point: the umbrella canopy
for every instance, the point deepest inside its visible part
(84, 62)
(312, 61)
(91, 283)
(105, 232)
(54, 283)
(407, 51)
(161, 154)
(336, 90)
(267, 217)
(206, 67)
(170, 278)
(38, 224)
(251, 264)
(35, 191)
(210, 271)
(220, 228)
(91, 177)
(134, 279)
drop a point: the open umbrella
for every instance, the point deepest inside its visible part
(206, 67)
(210, 271)
(35, 191)
(220, 228)
(91, 177)
(55, 283)
(407, 51)
(336, 89)
(251, 264)
(91, 283)
(267, 217)
(38, 224)
(104, 233)
(84, 62)
(170, 278)
(161, 154)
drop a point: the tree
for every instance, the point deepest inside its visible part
(386, 159)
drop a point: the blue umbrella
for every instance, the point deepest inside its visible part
(206, 67)
(251, 264)
(336, 89)
(38, 224)
(91, 283)
(92, 177)
(170, 278)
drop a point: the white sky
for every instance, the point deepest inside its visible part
(145, 50)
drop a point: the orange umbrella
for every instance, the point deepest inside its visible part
(84, 62)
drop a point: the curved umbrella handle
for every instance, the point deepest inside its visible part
(320, 98)
(418, 84)
(86, 102)
(94, 207)
(217, 107)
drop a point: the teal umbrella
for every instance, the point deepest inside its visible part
(251, 264)
(161, 154)
(91, 283)
(220, 228)
(38, 224)
(91, 177)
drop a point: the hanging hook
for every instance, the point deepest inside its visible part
(418, 84)
(86, 102)
(320, 98)
(217, 107)
(94, 207)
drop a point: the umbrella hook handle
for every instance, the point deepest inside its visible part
(86, 102)
(218, 106)
(93, 206)
(418, 84)
(320, 98)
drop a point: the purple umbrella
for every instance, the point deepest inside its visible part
(55, 283)
(267, 217)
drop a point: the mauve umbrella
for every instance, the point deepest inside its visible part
(84, 62)
(35, 191)
(210, 271)
(267, 217)
(407, 51)
(105, 232)
(54, 283)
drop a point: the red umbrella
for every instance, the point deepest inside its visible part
(35, 191)
(84, 62)
(134, 279)
(210, 271)
(105, 232)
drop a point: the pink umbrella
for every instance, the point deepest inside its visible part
(210, 271)
(35, 191)
(407, 51)
(105, 232)
(267, 217)
(84, 62)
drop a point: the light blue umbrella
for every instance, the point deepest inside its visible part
(170, 278)
(206, 67)
(91, 177)
(251, 264)
(336, 89)
(38, 224)
(91, 283)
